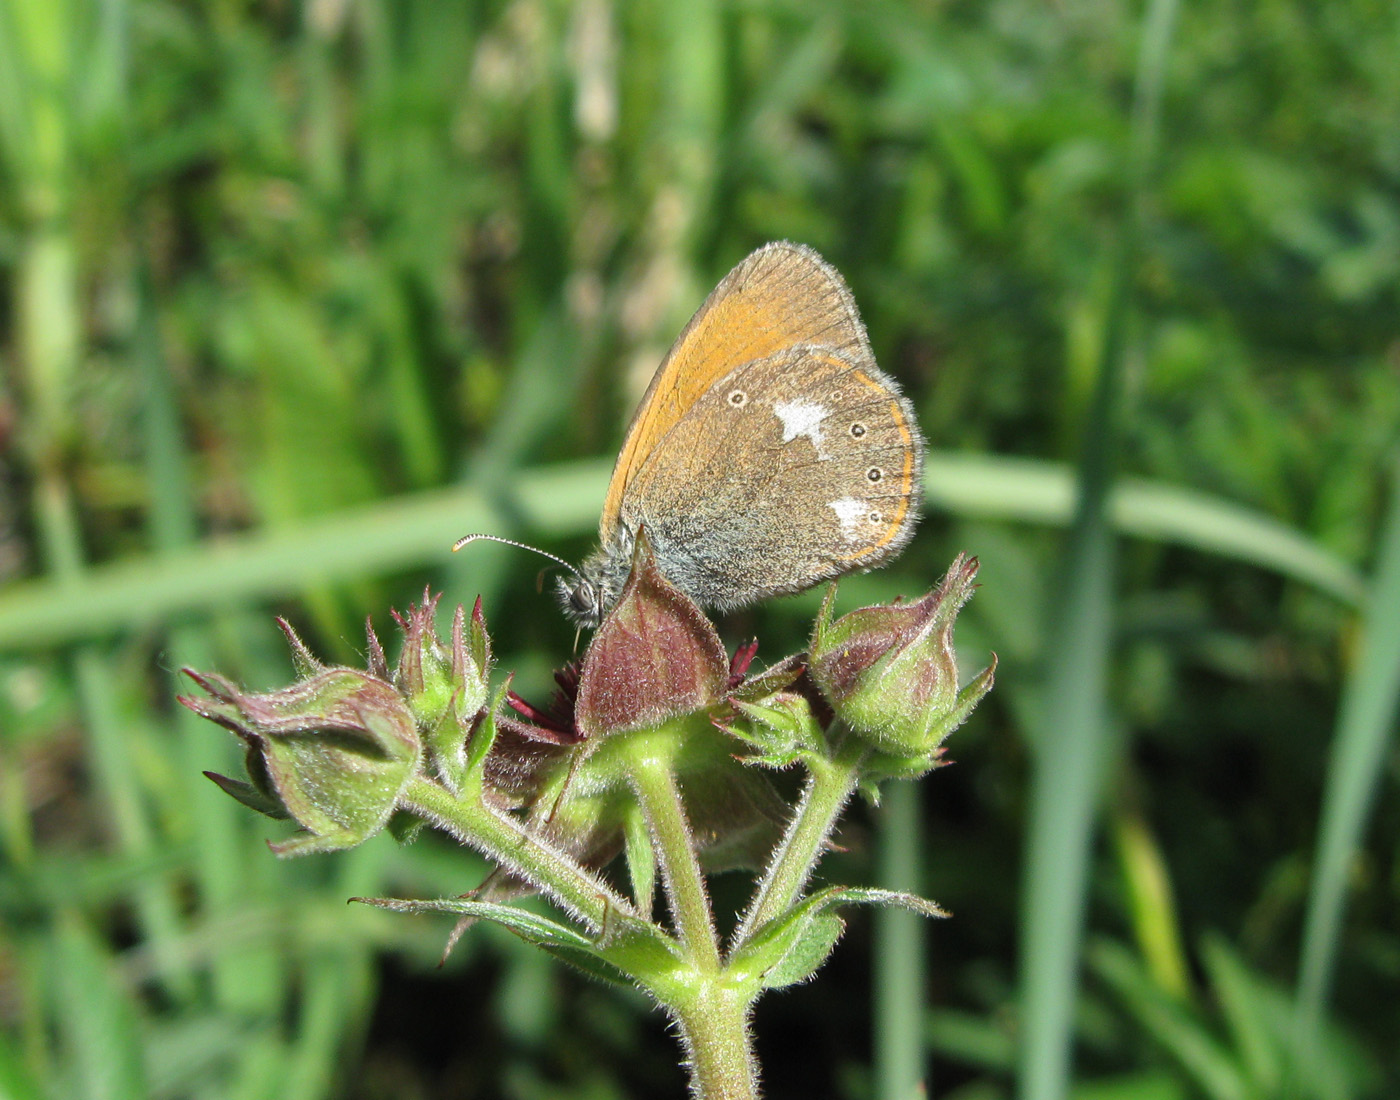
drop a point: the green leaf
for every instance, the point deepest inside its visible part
(559, 940)
(809, 950)
(1247, 1013)
(1187, 1037)
(401, 533)
(977, 1039)
(781, 729)
(858, 895)
(641, 860)
(791, 947)
(1036, 491)
(1148, 1085)
(249, 795)
(627, 952)
(404, 827)
(484, 736)
(645, 952)
(96, 1018)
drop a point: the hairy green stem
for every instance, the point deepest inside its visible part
(506, 841)
(829, 788)
(653, 777)
(714, 1027)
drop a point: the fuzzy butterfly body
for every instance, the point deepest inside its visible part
(769, 452)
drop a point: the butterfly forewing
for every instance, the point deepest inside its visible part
(792, 468)
(780, 296)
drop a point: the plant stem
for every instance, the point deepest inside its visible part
(827, 791)
(653, 777)
(506, 841)
(900, 1061)
(714, 1027)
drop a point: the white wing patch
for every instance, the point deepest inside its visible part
(850, 512)
(801, 417)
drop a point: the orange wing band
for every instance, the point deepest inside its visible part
(907, 479)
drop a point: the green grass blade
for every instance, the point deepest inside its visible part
(1246, 1010)
(900, 1064)
(45, 298)
(1209, 1064)
(1072, 739)
(1071, 742)
(336, 989)
(243, 982)
(1031, 490)
(1364, 727)
(413, 531)
(1151, 905)
(95, 1018)
(398, 534)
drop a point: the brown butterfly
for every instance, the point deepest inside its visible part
(769, 452)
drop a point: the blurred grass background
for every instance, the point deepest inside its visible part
(292, 294)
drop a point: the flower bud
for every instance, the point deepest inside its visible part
(333, 751)
(655, 656)
(446, 688)
(655, 661)
(890, 673)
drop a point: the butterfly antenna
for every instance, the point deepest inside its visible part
(521, 545)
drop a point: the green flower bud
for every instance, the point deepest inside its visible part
(445, 687)
(333, 751)
(890, 673)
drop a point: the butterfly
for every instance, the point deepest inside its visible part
(769, 452)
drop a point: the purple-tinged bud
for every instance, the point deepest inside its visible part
(890, 673)
(333, 751)
(446, 687)
(655, 656)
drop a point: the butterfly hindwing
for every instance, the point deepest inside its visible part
(798, 466)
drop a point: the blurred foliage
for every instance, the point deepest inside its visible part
(268, 263)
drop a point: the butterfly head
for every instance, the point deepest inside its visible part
(581, 599)
(590, 592)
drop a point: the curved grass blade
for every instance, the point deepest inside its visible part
(414, 531)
